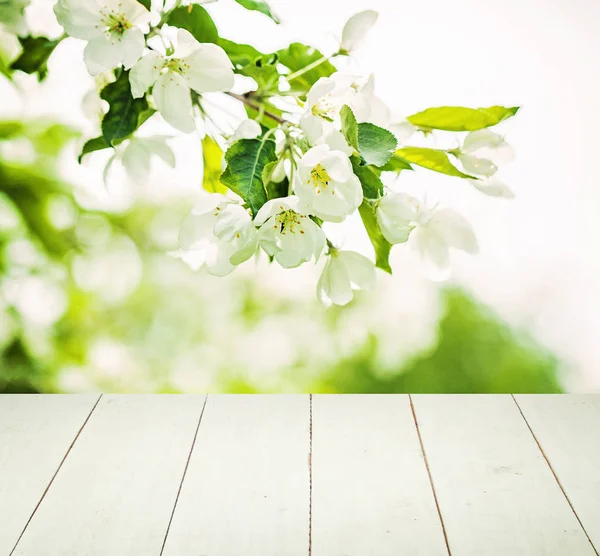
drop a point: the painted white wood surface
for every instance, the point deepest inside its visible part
(115, 492)
(371, 493)
(497, 495)
(246, 488)
(568, 430)
(35, 434)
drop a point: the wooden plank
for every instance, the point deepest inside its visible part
(35, 434)
(246, 489)
(371, 491)
(496, 493)
(568, 430)
(115, 491)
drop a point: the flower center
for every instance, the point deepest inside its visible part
(319, 178)
(116, 23)
(289, 221)
(177, 65)
(325, 109)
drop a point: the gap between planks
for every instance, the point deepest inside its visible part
(62, 461)
(437, 505)
(187, 463)
(560, 485)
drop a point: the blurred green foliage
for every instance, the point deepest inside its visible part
(90, 301)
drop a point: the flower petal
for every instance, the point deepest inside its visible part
(145, 73)
(360, 270)
(493, 187)
(334, 285)
(474, 165)
(356, 29)
(209, 69)
(172, 98)
(454, 229)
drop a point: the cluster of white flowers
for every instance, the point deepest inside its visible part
(317, 161)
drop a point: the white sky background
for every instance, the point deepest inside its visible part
(539, 265)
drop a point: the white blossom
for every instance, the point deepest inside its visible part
(397, 214)
(356, 30)
(436, 232)
(137, 156)
(248, 129)
(111, 27)
(218, 234)
(326, 184)
(344, 272)
(203, 67)
(403, 130)
(493, 187)
(287, 233)
(482, 150)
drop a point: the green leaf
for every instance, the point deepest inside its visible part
(34, 58)
(369, 178)
(375, 144)
(458, 118)
(349, 126)
(240, 54)
(212, 155)
(263, 119)
(95, 144)
(396, 164)
(432, 159)
(246, 160)
(381, 245)
(264, 71)
(296, 57)
(259, 6)
(146, 3)
(196, 20)
(126, 114)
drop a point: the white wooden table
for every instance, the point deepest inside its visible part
(299, 475)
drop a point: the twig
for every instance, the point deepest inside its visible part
(256, 107)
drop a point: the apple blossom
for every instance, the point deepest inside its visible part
(111, 27)
(356, 29)
(493, 187)
(218, 234)
(138, 153)
(439, 230)
(202, 67)
(482, 150)
(248, 129)
(344, 272)
(287, 233)
(397, 214)
(326, 183)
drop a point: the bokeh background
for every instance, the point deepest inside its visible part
(90, 300)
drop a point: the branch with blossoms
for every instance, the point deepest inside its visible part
(316, 147)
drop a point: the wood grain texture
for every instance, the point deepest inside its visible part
(497, 495)
(115, 492)
(246, 489)
(568, 430)
(35, 434)
(371, 492)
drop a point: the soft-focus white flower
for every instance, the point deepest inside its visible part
(203, 67)
(403, 130)
(138, 153)
(111, 27)
(493, 187)
(218, 234)
(356, 30)
(326, 184)
(248, 129)
(344, 272)
(287, 233)
(397, 214)
(482, 150)
(436, 232)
